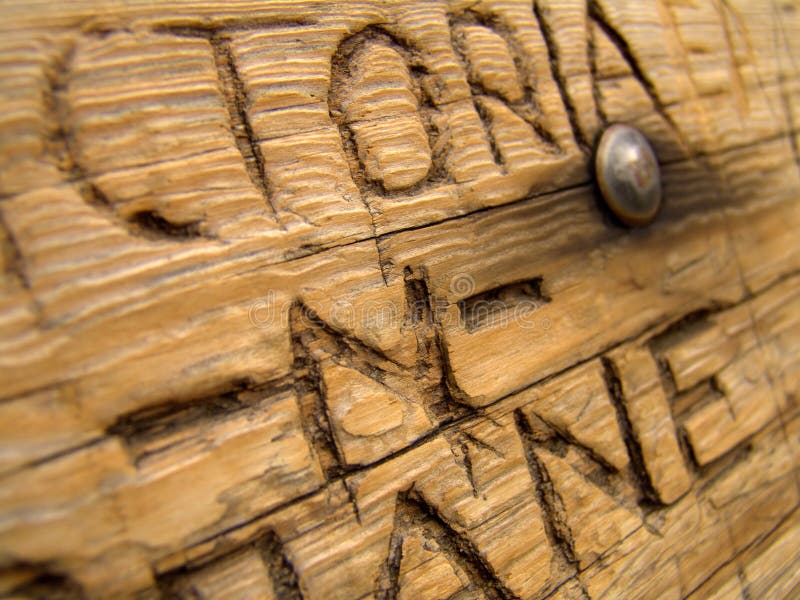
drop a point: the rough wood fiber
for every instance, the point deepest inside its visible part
(316, 300)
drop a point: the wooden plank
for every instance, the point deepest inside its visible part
(318, 300)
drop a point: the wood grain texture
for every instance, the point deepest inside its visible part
(317, 300)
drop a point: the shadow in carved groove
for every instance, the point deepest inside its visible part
(499, 306)
(342, 384)
(140, 188)
(147, 223)
(422, 542)
(567, 480)
(40, 582)
(385, 116)
(258, 567)
(503, 91)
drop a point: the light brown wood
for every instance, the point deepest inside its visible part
(317, 300)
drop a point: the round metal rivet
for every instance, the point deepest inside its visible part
(627, 173)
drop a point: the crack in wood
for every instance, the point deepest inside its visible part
(735, 558)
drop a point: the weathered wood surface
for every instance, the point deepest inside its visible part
(315, 299)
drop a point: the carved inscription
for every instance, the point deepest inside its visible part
(411, 124)
(269, 331)
(190, 114)
(376, 100)
(503, 97)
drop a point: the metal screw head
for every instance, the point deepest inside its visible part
(627, 173)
